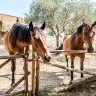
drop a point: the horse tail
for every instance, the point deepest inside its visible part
(60, 47)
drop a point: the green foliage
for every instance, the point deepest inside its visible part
(61, 15)
(66, 15)
(45, 92)
(50, 33)
(6, 27)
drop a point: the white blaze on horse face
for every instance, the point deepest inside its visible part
(39, 44)
(44, 50)
(89, 44)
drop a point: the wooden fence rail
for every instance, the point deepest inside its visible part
(26, 73)
(3, 64)
(82, 81)
(12, 56)
(70, 69)
(70, 51)
(36, 69)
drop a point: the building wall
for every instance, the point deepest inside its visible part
(8, 19)
(0, 26)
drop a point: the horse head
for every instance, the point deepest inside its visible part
(38, 39)
(88, 36)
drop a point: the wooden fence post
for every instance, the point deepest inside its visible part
(26, 70)
(37, 77)
(33, 73)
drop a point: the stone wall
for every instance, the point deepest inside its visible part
(8, 19)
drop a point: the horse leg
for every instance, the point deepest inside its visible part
(13, 68)
(81, 65)
(67, 64)
(66, 60)
(72, 66)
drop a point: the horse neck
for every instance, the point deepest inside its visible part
(77, 41)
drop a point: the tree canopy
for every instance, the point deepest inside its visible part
(61, 15)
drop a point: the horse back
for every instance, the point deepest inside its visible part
(11, 49)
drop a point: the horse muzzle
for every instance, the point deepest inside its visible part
(90, 49)
(46, 59)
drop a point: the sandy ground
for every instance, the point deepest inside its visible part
(50, 77)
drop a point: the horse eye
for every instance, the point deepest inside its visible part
(34, 37)
(36, 45)
(85, 34)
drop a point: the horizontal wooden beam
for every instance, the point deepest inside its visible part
(70, 69)
(75, 83)
(3, 64)
(15, 93)
(14, 86)
(70, 51)
(12, 56)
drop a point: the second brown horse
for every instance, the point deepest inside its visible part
(80, 40)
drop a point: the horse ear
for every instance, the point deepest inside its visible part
(93, 24)
(43, 26)
(31, 26)
(83, 22)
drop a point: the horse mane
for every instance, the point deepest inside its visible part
(38, 32)
(94, 24)
(19, 32)
(79, 29)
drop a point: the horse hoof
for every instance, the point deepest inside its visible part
(68, 73)
(12, 84)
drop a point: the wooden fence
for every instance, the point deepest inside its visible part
(36, 70)
(35, 73)
(26, 73)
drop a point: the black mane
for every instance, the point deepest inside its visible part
(19, 32)
(79, 29)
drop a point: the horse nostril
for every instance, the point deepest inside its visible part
(90, 50)
(47, 58)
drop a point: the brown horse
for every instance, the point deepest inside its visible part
(20, 36)
(2, 34)
(80, 40)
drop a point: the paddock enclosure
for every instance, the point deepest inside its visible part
(50, 78)
(25, 68)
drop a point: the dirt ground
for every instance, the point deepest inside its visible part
(50, 77)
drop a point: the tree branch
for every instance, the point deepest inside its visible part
(63, 28)
(57, 28)
(52, 29)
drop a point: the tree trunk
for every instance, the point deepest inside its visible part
(57, 40)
